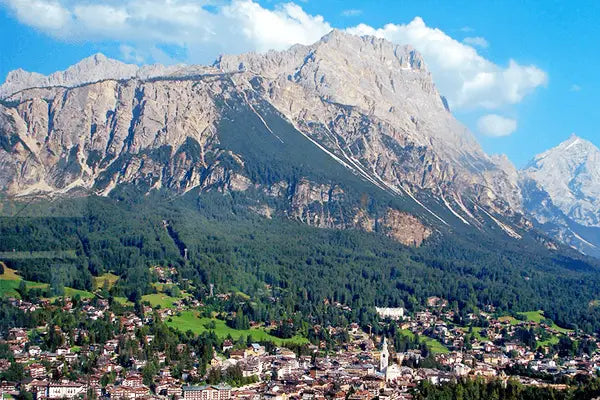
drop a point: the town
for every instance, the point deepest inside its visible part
(144, 352)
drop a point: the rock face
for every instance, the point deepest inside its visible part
(405, 228)
(364, 114)
(374, 103)
(561, 188)
(92, 69)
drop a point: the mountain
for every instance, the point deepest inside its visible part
(561, 188)
(333, 172)
(311, 133)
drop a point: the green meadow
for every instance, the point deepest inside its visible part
(190, 320)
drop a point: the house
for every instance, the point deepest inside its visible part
(124, 392)
(17, 335)
(37, 371)
(227, 345)
(206, 392)
(133, 381)
(64, 390)
(254, 350)
(8, 388)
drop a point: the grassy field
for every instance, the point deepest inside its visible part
(538, 316)
(477, 333)
(84, 294)
(533, 316)
(434, 346)
(123, 301)
(10, 282)
(189, 320)
(8, 288)
(549, 342)
(108, 278)
(160, 299)
(9, 274)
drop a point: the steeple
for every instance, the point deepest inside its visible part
(384, 357)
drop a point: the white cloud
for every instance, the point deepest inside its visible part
(476, 41)
(496, 125)
(47, 15)
(464, 77)
(232, 27)
(130, 54)
(351, 13)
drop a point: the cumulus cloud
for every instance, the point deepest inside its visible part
(203, 30)
(232, 27)
(47, 15)
(466, 78)
(496, 125)
(476, 41)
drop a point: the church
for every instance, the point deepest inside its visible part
(391, 372)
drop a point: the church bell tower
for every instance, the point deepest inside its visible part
(385, 355)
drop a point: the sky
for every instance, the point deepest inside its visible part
(522, 75)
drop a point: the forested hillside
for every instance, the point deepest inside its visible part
(285, 265)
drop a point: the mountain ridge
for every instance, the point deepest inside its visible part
(369, 105)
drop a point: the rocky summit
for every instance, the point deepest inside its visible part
(562, 191)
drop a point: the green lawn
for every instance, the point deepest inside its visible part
(8, 288)
(160, 299)
(510, 319)
(123, 301)
(84, 294)
(9, 274)
(538, 316)
(108, 278)
(533, 316)
(477, 333)
(434, 345)
(10, 281)
(549, 342)
(189, 320)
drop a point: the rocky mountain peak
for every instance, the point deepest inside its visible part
(406, 55)
(571, 154)
(570, 174)
(91, 69)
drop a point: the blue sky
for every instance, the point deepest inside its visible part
(550, 89)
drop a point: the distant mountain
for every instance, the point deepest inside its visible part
(561, 188)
